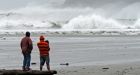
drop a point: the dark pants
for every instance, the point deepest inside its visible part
(44, 59)
(26, 60)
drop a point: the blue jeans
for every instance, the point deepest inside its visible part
(44, 59)
(26, 60)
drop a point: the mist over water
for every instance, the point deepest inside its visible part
(72, 14)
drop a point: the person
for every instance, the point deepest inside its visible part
(48, 44)
(44, 53)
(26, 47)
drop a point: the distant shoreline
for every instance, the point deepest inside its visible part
(75, 32)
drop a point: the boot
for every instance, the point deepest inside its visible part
(28, 69)
(23, 68)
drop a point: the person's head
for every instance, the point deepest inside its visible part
(27, 34)
(42, 37)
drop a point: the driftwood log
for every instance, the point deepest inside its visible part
(32, 72)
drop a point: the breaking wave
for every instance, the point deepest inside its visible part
(93, 22)
(73, 19)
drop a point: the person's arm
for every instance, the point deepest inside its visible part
(21, 44)
(23, 49)
(48, 46)
(38, 45)
(30, 44)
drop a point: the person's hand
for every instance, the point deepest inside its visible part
(23, 51)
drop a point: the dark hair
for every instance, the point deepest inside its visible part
(28, 34)
(47, 41)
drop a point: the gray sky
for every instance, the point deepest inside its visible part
(10, 4)
(119, 8)
(106, 6)
(97, 3)
(7, 4)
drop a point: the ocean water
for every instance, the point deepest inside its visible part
(73, 15)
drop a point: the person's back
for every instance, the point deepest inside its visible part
(44, 53)
(43, 48)
(26, 45)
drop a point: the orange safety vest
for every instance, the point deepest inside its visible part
(43, 48)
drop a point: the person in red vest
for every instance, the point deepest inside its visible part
(26, 47)
(44, 52)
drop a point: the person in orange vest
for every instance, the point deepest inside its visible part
(44, 53)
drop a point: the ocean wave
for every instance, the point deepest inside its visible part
(44, 20)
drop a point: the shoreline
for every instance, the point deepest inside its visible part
(110, 69)
(74, 32)
(66, 35)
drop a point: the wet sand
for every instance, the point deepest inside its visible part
(112, 69)
(86, 55)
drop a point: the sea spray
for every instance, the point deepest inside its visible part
(93, 22)
(137, 24)
(72, 17)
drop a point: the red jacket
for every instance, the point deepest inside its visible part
(43, 48)
(26, 45)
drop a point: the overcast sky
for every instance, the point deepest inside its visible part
(119, 8)
(10, 4)
(7, 4)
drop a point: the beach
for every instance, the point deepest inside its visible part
(86, 37)
(111, 69)
(85, 55)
